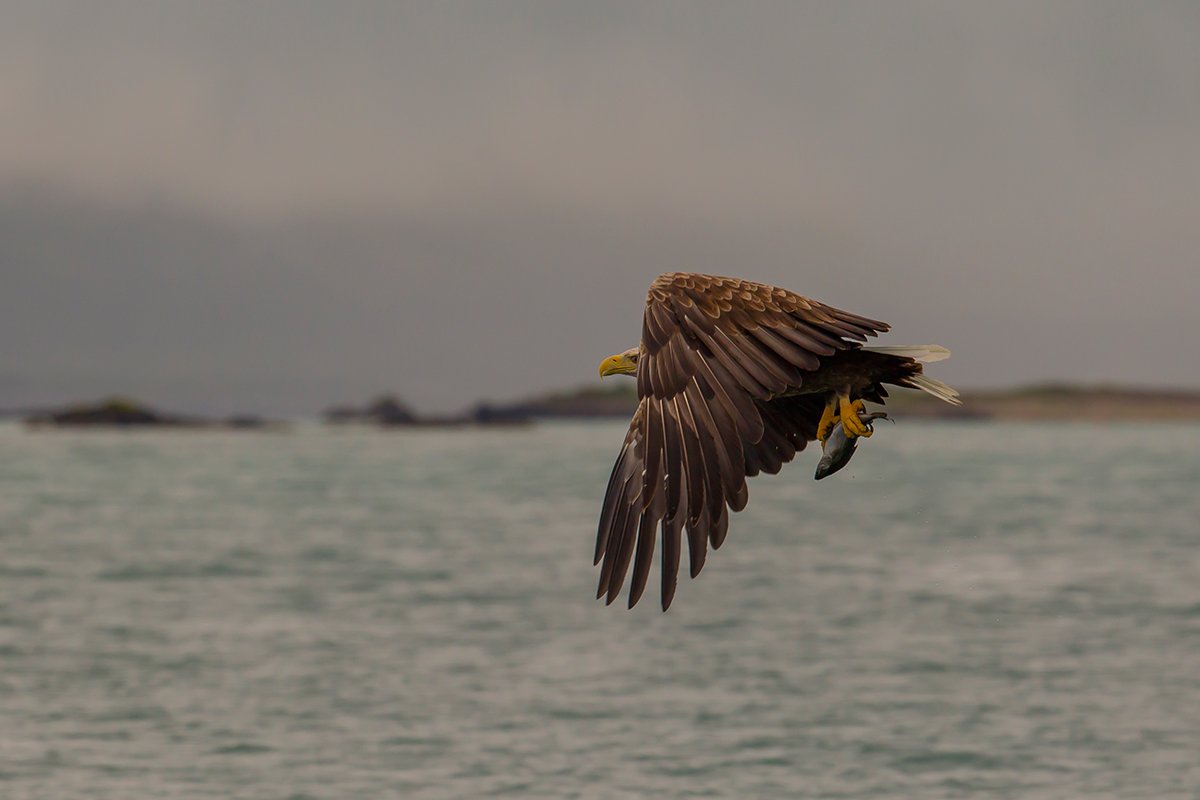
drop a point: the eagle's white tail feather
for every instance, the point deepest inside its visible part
(926, 353)
(936, 388)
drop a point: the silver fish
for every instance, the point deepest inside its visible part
(839, 447)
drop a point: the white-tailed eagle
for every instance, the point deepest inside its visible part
(734, 378)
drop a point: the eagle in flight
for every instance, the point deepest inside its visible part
(733, 378)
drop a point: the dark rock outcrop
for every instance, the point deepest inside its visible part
(119, 412)
(385, 410)
(115, 411)
(595, 402)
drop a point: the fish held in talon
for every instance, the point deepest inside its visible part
(839, 446)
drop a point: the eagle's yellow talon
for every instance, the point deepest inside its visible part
(829, 418)
(849, 416)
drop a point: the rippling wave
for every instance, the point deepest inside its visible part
(965, 611)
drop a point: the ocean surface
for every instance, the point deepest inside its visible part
(965, 611)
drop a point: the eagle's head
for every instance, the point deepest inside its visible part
(623, 364)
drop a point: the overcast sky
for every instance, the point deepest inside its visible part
(278, 206)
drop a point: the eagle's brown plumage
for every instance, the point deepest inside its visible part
(732, 378)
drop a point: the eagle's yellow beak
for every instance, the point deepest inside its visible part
(617, 365)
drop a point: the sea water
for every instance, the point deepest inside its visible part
(967, 610)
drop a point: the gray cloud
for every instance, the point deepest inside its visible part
(378, 196)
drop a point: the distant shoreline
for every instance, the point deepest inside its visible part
(1055, 402)
(1029, 403)
(1049, 402)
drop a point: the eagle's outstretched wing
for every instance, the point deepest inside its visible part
(719, 367)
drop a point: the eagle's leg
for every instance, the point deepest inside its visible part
(849, 411)
(829, 418)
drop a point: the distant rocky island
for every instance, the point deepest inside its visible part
(120, 412)
(1055, 401)
(586, 402)
(384, 410)
(388, 411)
